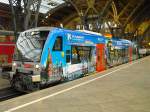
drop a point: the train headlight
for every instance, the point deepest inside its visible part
(37, 66)
(14, 64)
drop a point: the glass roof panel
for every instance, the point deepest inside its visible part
(4, 1)
(46, 5)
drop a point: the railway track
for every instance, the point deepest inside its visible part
(8, 93)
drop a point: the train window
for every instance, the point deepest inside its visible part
(68, 56)
(44, 34)
(80, 54)
(68, 52)
(75, 55)
(4, 38)
(58, 44)
(43, 37)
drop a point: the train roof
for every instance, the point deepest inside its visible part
(50, 28)
(90, 32)
(40, 29)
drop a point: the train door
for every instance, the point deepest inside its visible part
(100, 57)
(55, 60)
(130, 54)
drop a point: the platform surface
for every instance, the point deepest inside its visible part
(125, 88)
(4, 83)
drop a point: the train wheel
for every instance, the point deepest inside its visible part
(16, 83)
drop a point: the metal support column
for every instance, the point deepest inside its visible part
(16, 15)
(31, 13)
(24, 11)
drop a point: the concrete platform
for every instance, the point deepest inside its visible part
(121, 89)
(4, 83)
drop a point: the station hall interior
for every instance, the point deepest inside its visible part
(74, 55)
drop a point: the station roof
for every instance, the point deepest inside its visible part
(69, 13)
(55, 12)
(124, 8)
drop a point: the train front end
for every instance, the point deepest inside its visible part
(26, 67)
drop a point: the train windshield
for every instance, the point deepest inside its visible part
(30, 45)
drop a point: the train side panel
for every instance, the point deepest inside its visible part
(7, 47)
